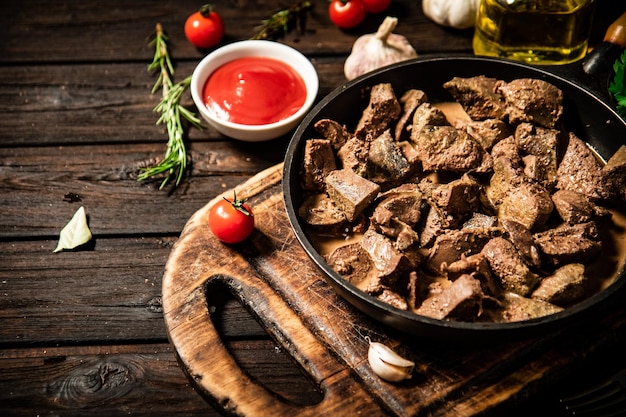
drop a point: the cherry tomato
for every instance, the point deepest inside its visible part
(204, 28)
(376, 6)
(231, 221)
(346, 14)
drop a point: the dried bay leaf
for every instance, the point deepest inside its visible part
(75, 233)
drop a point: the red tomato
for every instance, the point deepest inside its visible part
(346, 14)
(204, 28)
(376, 6)
(231, 221)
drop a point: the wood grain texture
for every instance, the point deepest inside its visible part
(272, 276)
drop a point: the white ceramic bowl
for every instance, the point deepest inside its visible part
(254, 48)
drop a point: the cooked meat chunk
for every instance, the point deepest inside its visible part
(451, 245)
(564, 287)
(350, 192)
(522, 239)
(581, 172)
(532, 100)
(542, 144)
(458, 198)
(353, 263)
(427, 115)
(572, 206)
(410, 101)
(615, 174)
(382, 110)
(478, 97)
(388, 261)
(318, 162)
(354, 155)
(434, 225)
(518, 308)
(387, 163)
(488, 132)
(403, 202)
(461, 300)
(528, 203)
(569, 243)
(319, 211)
(507, 264)
(507, 171)
(445, 148)
(478, 267)
(336, 133)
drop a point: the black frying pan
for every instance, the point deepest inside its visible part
(586, 114)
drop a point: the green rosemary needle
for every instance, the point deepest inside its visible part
(174, 163)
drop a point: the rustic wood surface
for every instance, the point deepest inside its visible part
(82, 332)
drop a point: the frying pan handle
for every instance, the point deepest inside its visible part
(603, 56)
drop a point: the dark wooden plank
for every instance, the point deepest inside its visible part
(85, 30)
(106, 103)
(115, 380)
(35, 180)
(111, 293)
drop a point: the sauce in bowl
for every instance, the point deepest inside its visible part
(254, 91)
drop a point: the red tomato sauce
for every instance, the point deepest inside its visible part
(254, 91)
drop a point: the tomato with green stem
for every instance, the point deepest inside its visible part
(346, 14)
(204, 28)
(231, 221)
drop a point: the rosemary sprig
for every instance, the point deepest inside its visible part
(174, 163)
(283, 21)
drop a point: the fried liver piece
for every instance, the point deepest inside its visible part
(542, 145)
(564, 287)
(478, 97)
(528, 203)
(382, 110)
(531, 100)
(336, 133)
(581, 172)
(461, 300)
(445, 148)
(319, 211)
(317, 163)
(518, 308)
(573, 207)
(569, 243)
(388, 261)
(410, 101)
(387, 163)
(350, 192)
(488, 132)
(506, 263)
(353, 263)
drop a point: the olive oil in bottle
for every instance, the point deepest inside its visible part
(534, 31)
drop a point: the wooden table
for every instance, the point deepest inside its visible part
(82, 332)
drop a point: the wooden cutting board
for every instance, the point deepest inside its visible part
(272, 276)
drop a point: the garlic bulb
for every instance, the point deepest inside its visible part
(387, 364)
(458, 14)
(376, 50)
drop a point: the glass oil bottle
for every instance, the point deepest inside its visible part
(534, 31)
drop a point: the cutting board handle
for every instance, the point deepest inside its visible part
(202, 353)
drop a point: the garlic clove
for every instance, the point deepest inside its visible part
(387, 364)
(375, 50)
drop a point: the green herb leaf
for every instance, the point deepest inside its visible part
(75, 233)
(617, 86)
